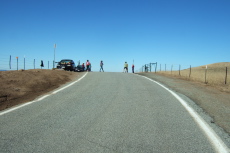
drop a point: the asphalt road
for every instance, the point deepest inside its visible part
(104, 112)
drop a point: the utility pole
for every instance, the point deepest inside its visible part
(54, 55)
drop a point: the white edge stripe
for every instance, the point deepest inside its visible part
(43, 97)
(215, 140)
(14, 108)
(70, 84)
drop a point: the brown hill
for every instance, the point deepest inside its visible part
(216, 75)
(221, 65)
(22, 86)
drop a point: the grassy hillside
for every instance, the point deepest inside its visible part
(217, 74)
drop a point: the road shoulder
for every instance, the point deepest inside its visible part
(212, 102)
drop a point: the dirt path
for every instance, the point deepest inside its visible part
(214, 102)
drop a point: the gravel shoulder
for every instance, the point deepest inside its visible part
(212, 101)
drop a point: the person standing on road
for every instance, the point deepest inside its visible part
(133, 68)
(101, 66)
(83, 66)
(125, 67)
(87, 65)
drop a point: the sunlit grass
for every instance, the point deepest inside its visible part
(214, 75)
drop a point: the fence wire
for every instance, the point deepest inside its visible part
(11, 62)
(214, 75)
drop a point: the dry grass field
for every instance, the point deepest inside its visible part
(215, 75)
(22, 86)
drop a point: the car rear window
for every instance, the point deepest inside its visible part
(65, 61)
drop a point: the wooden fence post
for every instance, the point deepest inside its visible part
(179, 69)
(34, 63)
(156, 68)
(150, 67)
(190, 71)
(10, 62)
(17, 62)
(206, 74)
(24, 63)
(226, 75)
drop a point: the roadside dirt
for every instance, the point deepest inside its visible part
(213, 101)
(25, 85)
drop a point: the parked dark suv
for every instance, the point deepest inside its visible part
(66, 64)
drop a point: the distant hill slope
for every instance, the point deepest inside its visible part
(215, 65)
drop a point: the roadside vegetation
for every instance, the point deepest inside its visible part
(216, 75)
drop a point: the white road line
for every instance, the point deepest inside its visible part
(213, 138)
(70, 84)
(14, 108)
(41, 98)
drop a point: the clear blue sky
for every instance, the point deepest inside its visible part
(186, 32)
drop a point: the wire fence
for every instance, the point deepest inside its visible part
(215, 74)
(11, 62)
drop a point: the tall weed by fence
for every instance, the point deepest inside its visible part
(12, 62)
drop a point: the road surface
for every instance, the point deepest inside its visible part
(104, 112)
